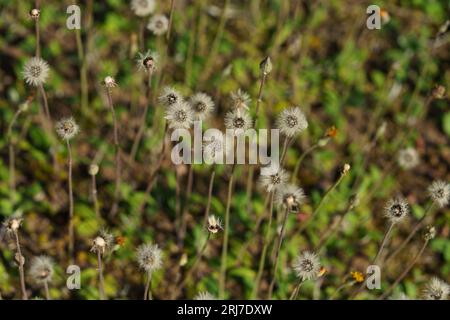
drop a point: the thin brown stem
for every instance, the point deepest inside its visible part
(12, 166)
(169, 29)
(38, 38)
(405, 272)
(148, 289)
(94, 196)
(185, 210)
(208, 202)
(294, 294)
(47, 292)
(44, 98)
(223, 264)
(277, 253)
(300, 160)
(21, 261)
(101, 282)
(71, 220)
(262, 259)
(115, 205)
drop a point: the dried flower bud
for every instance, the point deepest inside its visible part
(109, 82)
(35, 13)
(323, 141)
(266, 66)
(214, 224)
(345, 169)
(430, 233)
(438, 92)
(93, 169)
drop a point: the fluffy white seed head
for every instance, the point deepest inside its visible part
(158, 24)
(439, 191)
(103, 243)
(204, 295)
(143, 8)
(408, 158)
(109, 82)
(436, 289)
(396, 209)
(307, 266)
(67, 128)
(149, 257)
(41, 269)
(36, 71)
(292, 121)
(180, 116)
(290, 197)
(11, 225)
(273, 181)
(214, 224)
(170, 96)
(202, 105)
(34, 13)
(241, 100)
(147, 61)
(238, 121)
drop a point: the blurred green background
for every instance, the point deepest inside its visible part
(324, 59)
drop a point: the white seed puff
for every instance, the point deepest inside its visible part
(36, 71)
(396, 209)
(41, 269)
(180, 115)
(67, 128)
(238, 121)
(147, 61)
(440, 193)
(292, 121)
(273, 181)
(158, 24)
(436, 289)
(143, 8)
(169, 97)
(202, 105)
(149, 257)
(307, 266)
(290, 197)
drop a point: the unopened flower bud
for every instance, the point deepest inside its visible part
(93, 169)
(438, 92)
(266, 66)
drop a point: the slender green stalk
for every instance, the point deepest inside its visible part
(300, 160)
(185, 211)
(277, 254)
(262, 260)
(38, 37)
(197, 260)
(294, 294)
(208, 202)
(83, 71)
(44, 99)
(223, 264)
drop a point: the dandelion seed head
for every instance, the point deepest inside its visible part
(408, 158)
(238, 121)
(12, 224)
(36, 71)
(204, 295)
(307, 266)
(103, 243)
(158, 24)
(290, 197)
(180, 115)
(67, 128)
(149, 257)
(170, 96)
(241, 99)
(147, 61)
(273, 181)
(41, 269)
(436, 289)
(109, 82)
(397, 209)
(202, 105)
(439, 192)
(143, 8)
(214, 224)
(292, 121)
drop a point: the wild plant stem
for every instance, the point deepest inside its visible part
(148, 289)
(294, 294)
(12, 166)
(47, 292)
(142, 126)
(21, 271)
(169, 29)
(83, 71)
(94, 196)
(71, 222)
(198, 257)
(38, 38)
(115, 205)
(413, 232)
(384, 242)
(226, 231)
(300, 160)
(262, 259)
(277, 253)
(101, 283)
(185, 210)
(44, 98)
(405, 272)
(208, 202)
(341, 287)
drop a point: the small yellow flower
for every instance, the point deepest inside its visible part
(357, 276)
(322, 272)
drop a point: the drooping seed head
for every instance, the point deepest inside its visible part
(11, 225)
(41, 269)
(103, 243)
(290, 197)
(67, 128)
(34, 13)
(214, 224)
(241, 100)
(109, 82)
(438, 92)
(430, 233)
(36, 71)
(147, 61)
